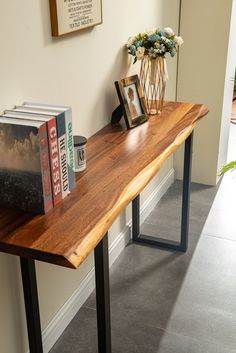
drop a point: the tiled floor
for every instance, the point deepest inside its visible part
(169, 302)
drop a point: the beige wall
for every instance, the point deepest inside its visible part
(205, 26)
(78, 70)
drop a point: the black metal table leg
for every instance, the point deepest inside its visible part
(31, 305)
(103, 296)
(169, 244)
(186, 192)
(136, 218)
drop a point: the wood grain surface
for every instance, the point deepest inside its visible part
(120, 164)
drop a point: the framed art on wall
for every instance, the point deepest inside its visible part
(68, 16)
(132, 101)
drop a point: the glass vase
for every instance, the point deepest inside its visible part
(153, 78)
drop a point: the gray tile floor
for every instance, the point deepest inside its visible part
(169, 302)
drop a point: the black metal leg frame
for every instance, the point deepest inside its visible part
(169, 244)
(31, 305)
(102, 293)
(103, 296)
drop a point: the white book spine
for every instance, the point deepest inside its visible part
(62, 143)
(70, 149)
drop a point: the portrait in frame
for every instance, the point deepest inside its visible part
(132, 101)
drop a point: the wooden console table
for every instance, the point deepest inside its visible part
(120, 164)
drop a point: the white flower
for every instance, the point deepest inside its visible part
(169, 31)
(165, 40)
(129, 42)
(140, 53)
(178, 40)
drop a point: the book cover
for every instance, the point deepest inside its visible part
(61, 135)
(53, 147)
(69, 136)
(24, 166)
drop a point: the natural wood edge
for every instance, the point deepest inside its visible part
(51, 258)
(91, 240)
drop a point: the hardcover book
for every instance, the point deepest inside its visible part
(53, 147)
(25, 179)
(61, 136)
(69, 135)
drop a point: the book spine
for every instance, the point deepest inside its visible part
(54, 161)
(45, 168)
(70, 149)
(61, 135)
(64, 167)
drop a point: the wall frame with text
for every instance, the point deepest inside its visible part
(69, 16)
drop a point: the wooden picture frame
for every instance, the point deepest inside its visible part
(132, 101)
(69, 16)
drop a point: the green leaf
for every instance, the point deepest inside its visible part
(226, 168)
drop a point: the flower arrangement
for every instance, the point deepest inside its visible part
(154, 44)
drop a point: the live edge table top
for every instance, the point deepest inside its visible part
(120, 164)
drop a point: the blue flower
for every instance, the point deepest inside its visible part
(163, 34)
(139, 44)
(173, 52)
(171, 44)
(161, 48)
(152, 53)
(154, 37)
(132, 49)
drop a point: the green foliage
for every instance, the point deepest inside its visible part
(228, 167)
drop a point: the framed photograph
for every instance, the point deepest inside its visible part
(68, 16)
(132, 101)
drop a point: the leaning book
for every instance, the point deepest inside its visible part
(25, 178)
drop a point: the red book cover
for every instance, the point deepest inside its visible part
(54, 161)
(45, 168)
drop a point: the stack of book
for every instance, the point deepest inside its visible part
(37, 157)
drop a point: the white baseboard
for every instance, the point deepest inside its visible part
(66, 313)
(63, 317)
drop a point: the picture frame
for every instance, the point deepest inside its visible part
(132, 101)
(68, 16)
